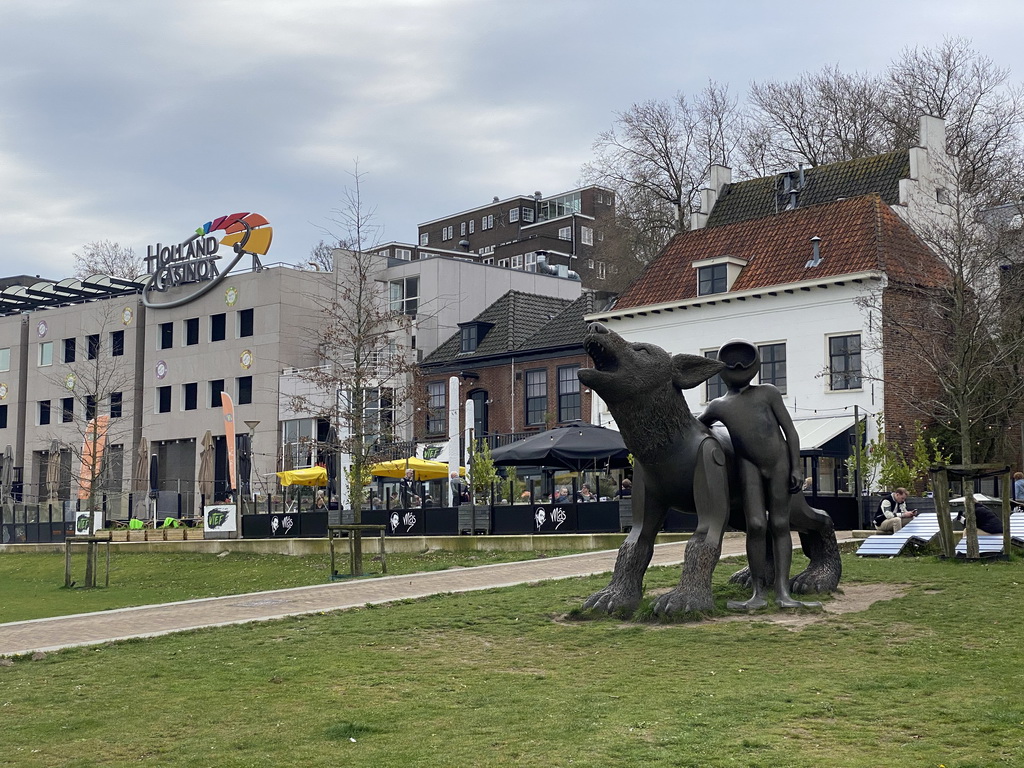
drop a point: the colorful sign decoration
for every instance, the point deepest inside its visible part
(161, 369)
(41, 329)
(230, 296)
(3, 391)
(195, 261)
(127, 315)
(245, 359)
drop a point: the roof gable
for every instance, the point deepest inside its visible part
(857, 235)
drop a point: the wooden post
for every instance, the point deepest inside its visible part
(67, 563)
(383, 554)
(1007, 485)
(940, 485)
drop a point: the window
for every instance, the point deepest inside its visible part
(503, 263)
(447, 233)
(536, 396)
(216, 387)
(565, 233)
(513, 214)
(92, 346)
(472, 224)
(189, 396)
(244, 390)
(715, 386)
(70, 348)
(569, 403)
(470, 338)
(5, 359)
(586, 235)
(245, 317)
(163, 399)
(46, 354)
(44, 412)
(166, 335)
(191, 331)
(3, 417)
(773, 365)
(488, 260)
(462, 229)
(531, 261)
(90, 407)
(601, 274)
(378, 411)
(598, 197)
(116, 343)
(403, 253)
(218, 326)
(711, 279)
(116, 405)
(487, 250)
(528, 215)
(487, 222)
(517, 261)
(405, 295)
(437, 415)
(424, 238)
(67, 409)
(844, 361)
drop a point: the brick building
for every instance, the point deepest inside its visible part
(533, 233)
(517, 360)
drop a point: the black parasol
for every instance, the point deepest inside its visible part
(576, 446)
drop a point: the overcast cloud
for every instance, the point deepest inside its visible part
(137, 120)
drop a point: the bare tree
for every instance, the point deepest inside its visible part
(364, 350)
(92, 418)
(657, 154)
(984, 113)
(104, 257)
(819, 118)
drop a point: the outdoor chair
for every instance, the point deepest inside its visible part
(921, 530)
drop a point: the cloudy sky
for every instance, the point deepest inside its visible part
(137, 120)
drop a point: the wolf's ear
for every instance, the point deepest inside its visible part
(690, 370)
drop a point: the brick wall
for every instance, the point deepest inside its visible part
(908, 380)
(505, 386)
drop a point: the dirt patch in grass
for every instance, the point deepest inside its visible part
(853, 598)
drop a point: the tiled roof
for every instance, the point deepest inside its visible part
(757, 198)
(515, 317)
(858, 235)
(567, 328)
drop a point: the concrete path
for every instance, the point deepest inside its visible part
(22, 637)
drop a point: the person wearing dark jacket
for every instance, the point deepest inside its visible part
(892, 513)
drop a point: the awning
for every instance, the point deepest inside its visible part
(814, 433)
(423, 469)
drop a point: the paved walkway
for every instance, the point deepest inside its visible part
(21, 637)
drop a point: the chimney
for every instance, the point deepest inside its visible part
(816, 249)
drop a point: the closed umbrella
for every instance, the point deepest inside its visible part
(206, 457)
(6, 475)
(53, 471)
(140, 473)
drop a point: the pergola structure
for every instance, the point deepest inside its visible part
(942, 474)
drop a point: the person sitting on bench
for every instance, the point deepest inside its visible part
(892, 512)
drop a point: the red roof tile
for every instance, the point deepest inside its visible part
(860, 234)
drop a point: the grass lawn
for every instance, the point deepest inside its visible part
(932, 678)
(32, 585)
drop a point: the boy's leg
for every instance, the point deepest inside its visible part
(782, 541)
(754, 514)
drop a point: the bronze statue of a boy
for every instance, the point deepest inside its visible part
(768, 462)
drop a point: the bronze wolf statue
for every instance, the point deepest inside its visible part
(678, 462)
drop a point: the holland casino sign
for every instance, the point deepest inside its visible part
(194, 261)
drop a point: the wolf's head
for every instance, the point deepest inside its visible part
(624, 370)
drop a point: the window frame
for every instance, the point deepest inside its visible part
(240, 390)
(772, 365)
(117, 343)
(166, 331)
(45, 357)
(437, 408)
(246, 323)
(570, 396)
(191, 336)
(5, 359)
(536, 403)
(712, 279)
(215, 401)
(92, 346)
(218, 327)
(70, 345)
(163, 394)
(190, 396)
(43, 413)
(713, 387)
(116, 405)
(846, 376)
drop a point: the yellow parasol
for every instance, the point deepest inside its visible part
(424, 469)
(307, 476)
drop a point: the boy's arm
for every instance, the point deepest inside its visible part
(708, 417)
(792, 440)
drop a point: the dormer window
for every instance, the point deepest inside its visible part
(471, 336)
(711, 279)
(717, 274)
